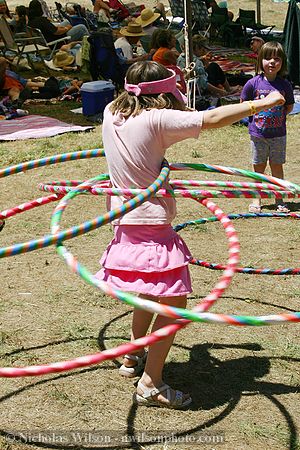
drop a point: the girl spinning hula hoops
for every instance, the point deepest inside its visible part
(146, 255)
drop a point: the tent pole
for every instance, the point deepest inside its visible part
(188, 50)
(258, 8)
(188, 31)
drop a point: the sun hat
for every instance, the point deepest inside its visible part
(132, 29)
(200, 41)
(147, 17)
(166, 85)
(257, 38)
(62, 59)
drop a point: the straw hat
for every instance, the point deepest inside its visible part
(147, 17)
(132, 29)
(257, 38)
(62, 59)
(200, 40)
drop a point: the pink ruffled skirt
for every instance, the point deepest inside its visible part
(147, 259)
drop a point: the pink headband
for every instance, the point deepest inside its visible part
(166, 85)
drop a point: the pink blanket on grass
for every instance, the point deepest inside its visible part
(32, 127)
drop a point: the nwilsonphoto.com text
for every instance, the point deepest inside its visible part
(112, 438)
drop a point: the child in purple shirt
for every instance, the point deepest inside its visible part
(267, 128)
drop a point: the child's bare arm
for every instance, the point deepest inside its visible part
(226, 115)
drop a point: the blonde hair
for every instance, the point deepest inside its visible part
(131, 105)
(268, 50)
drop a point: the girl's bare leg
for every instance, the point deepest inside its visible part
(277, 171)
(140, 324)
(152, 376)
(259, 168)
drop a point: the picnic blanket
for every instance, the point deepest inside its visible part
(34, 126)
(228, 65)
(229, 59)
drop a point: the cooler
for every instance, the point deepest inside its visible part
(95, 96)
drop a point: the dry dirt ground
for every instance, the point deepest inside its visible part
(245, 381)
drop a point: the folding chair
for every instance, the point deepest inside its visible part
(200, 20)
(250, 26)
(76, 15)
(177, 18)
(104, 61)
(20, 44)
(218, 19)
(36, 35)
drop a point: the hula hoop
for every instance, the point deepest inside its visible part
(50, 239)
(184, 316)
(158, 335)
(95, 190)
(29, 205)
(246, 270)
(55, 159)
(233, 171)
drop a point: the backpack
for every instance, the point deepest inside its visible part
(104, 61)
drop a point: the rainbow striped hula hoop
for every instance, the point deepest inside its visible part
(270, 186)
(48, 161)
(29, 205)
(233, 171)
(246, 270)
(191, 193)
(52, 239)
(183, 315)
(23, 167)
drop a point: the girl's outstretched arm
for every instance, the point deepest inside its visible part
(226, 115)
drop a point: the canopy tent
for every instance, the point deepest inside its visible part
(291, 43)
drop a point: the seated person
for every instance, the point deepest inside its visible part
(120, 10)
(102, 10)
(20, 20)
(68, 57)
(130, 36)
(256, 44)
(148, 20)
(214, 7)
(166, 53)
(210, 77)
(50, 31)
(12, 84)
(4, 11)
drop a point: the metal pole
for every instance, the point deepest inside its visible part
(188, 31)
(188, 49)
(258, 8)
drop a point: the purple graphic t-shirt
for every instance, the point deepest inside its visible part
(268, 123)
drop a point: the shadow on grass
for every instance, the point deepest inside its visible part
(212, 382)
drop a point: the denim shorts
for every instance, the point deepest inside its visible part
(273, 149)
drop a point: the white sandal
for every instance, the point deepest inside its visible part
(282, 208)
(146, 399)
(134, 371)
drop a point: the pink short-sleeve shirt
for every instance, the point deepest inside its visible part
(135, 148)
